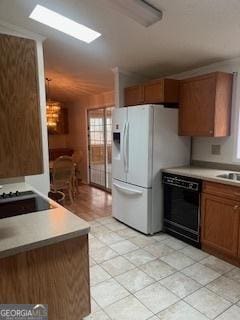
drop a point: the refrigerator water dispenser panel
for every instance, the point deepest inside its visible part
(117, 145)
(117, 138)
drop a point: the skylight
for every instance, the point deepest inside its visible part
(63, 24)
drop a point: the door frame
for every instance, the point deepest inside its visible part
(105, 149)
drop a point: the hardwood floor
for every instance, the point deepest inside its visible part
(91, 203)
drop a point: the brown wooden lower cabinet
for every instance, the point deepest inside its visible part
(239, 246)
(220, 227)
(57, 275)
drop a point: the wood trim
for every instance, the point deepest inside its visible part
(57, 275)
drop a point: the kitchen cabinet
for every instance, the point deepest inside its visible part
(220, 216)
(20, 127)
(205, 105)
(156, 91)
(239, 246)
(220, 224)
(134, 95)
(56, 274)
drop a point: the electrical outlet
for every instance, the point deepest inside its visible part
(216, 149)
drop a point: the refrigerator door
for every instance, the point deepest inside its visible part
(132, 205)
(139, 138)
(119, 126)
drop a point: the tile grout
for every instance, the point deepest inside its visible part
(138, 267)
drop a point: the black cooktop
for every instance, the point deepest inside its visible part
(17, 203)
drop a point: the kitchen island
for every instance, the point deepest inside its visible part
(44, 260)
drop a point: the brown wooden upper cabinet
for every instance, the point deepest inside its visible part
(134, 95)
(156, 91)
(205, 105)
(20, 128)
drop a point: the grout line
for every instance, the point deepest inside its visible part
(138, 267)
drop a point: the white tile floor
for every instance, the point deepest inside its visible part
(138, 277)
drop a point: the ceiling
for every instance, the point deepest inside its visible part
(192, 33)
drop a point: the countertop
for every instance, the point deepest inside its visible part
(38, 229)
(203, 174)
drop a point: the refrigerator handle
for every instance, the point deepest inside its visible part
(124, 146)
(127, 190)
(127, 146)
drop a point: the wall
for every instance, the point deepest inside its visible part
(78, 124)
(56, 141)
(123, 79)
(40, 182)
(202, 146)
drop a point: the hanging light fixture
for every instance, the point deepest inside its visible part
(53, 110)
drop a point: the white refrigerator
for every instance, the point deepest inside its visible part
(145, 140)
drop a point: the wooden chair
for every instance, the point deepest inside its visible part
(77, 159)
(63, 175)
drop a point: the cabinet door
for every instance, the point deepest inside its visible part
(134, 95)
(197, 106)
(239, 245)
(220, 224)
(20, 128)
(154, 92)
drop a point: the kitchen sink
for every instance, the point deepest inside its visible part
(230, 176)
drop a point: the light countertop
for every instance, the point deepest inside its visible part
(38, 229)
(203, 174)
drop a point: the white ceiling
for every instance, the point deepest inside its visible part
(192, 33)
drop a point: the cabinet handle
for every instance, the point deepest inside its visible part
(235, 207)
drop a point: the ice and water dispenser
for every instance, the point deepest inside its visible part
(116, 142)
(117, 138)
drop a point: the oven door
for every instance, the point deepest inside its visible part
(182, 211)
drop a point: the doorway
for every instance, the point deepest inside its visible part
(100, 147)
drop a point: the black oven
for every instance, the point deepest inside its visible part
(182, 207)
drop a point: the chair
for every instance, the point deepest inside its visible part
(63, 175)
(77, 159)
(57, 196)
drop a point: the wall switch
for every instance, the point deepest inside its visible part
(216, 149)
